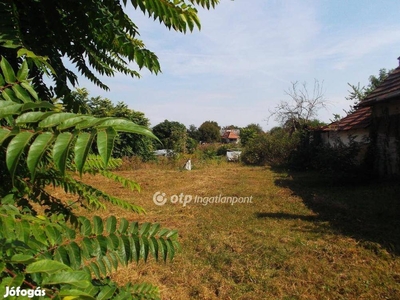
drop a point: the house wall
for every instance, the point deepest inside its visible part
(330, 137)
(385, 133)
(230, 141)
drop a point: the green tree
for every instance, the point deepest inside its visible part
(191, 145)
(173, 135)
(358, 93)
(193, 132)
(126, 144)
(95, 36)
(249, 132)
(230, 127)
(210, 132)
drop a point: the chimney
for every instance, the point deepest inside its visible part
(399, 60)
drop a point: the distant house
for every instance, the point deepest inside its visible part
(230, 136)
(384, 103)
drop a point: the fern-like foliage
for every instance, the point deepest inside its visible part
(43, 145)
(47, 253)
(67, 256)
(97, 36)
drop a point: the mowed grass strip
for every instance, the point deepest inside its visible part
(294, 241)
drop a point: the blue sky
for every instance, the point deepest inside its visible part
(247, 54)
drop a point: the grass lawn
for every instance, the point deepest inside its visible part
(302, 237)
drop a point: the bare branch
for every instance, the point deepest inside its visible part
(302, 107)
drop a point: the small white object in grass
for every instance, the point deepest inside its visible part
(188, 165)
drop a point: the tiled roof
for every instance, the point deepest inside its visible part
(361, 118)
(388, 89)
(230, 135)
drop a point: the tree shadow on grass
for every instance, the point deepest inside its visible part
(368, 211)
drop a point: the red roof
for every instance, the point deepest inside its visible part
(387, 90)
(361, 118)
(230, 135)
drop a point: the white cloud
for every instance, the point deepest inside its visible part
(239, 39)
(246, 55)
(346, 49)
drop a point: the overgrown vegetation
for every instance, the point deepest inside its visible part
(358, 93)
(273, 148)
(303, 150)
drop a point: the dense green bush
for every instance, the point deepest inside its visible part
(304, 154)
(249, 132)
(209, 153)
(191, 145)
(221, 150)
(256, 152)
(339, 158)
(272, 148)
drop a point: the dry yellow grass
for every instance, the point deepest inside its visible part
(278, 247)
